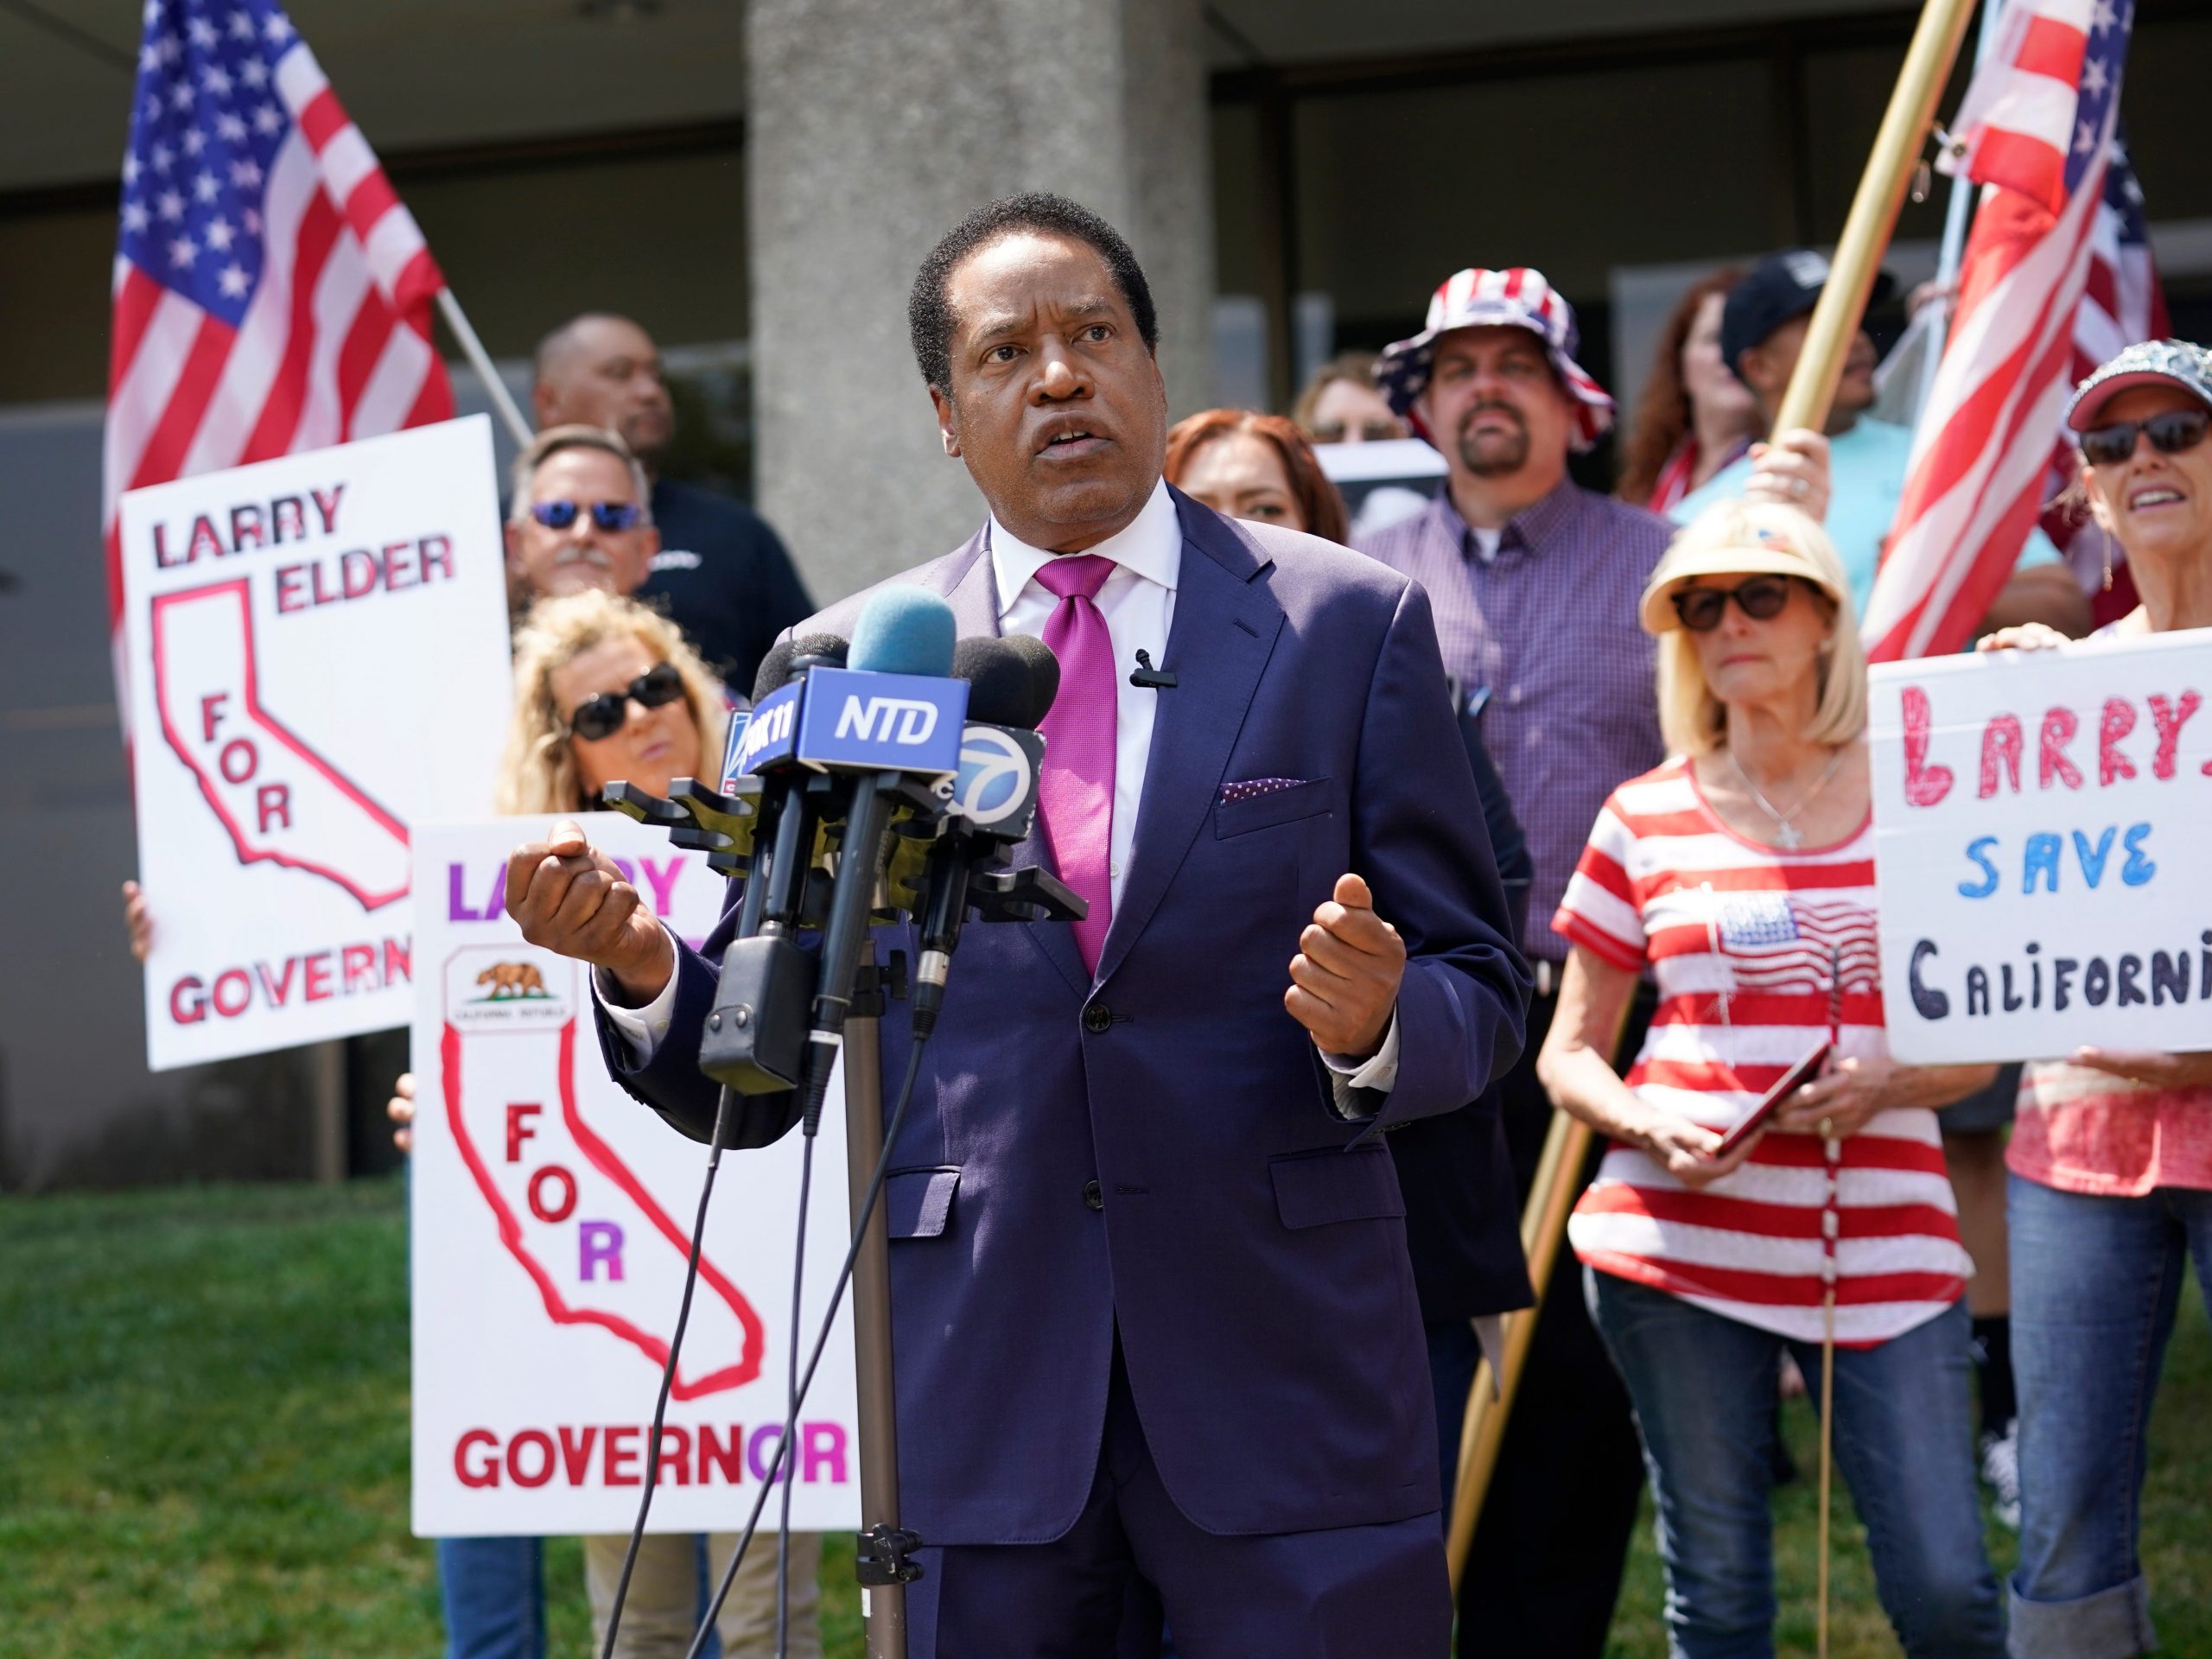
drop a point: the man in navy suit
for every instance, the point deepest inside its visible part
(1152, 1311)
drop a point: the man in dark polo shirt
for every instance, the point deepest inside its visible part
(721, 575)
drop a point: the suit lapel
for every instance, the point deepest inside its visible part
(974, 596)
(1224, 630)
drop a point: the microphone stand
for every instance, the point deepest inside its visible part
(704, 820)
(881, 1562)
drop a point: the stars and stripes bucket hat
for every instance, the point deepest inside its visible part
(1515, 298)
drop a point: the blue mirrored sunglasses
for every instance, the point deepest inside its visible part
(607, 515)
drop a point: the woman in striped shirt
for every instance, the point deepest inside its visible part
(1740, 875)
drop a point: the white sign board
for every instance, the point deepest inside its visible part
(552, 1214)
(317, 655)
(1382, 482)
(2040, 832)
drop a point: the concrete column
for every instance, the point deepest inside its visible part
(872, 126)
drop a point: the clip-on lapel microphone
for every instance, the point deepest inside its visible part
(1144, 674)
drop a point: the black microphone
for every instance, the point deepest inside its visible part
(960, 854)
(755, 1037)
(905, 635)
(788, 821)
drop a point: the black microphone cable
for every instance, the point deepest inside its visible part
(814, 1359)
(722, 1129)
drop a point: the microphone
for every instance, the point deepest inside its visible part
(894, 715)
(754, 1041)
(957, 863)
(724, 819)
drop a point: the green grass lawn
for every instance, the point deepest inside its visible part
(203, 1447)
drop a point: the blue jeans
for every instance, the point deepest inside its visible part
(1703, 1386)
(2095, 1285)
(494, 1595)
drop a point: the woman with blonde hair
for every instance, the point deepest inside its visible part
(606, 689)
(1740, 875)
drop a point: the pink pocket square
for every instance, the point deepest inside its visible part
(1251, 787)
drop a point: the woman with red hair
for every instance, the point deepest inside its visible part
(1256, 467)
(1694, 416)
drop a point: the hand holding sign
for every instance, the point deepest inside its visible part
(568, 896)
(2147, 1066)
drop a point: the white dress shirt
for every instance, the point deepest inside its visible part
(1138, 603)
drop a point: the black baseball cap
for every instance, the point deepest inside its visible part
(1780, 286)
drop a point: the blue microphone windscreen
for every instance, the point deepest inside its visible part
(904, 630)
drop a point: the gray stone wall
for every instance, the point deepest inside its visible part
(873, 126)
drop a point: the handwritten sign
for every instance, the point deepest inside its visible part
(552, 1214)
(2040, 824)
(317, 654)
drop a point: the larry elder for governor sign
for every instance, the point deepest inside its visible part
(551, 1218)
(2040, 850)
(317, 657)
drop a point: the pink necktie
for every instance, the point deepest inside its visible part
(1076, 786)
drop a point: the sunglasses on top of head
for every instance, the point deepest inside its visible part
(602, 716)
(1762, 598)
(2170, 432)
(607, 515)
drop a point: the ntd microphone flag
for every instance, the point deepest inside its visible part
(853, 720)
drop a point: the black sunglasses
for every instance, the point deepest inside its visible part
(1761, 599)
(602, 716)
(607, 515)
(2170, 432)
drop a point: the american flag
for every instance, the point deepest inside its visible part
(2121, 304)
(271, 294)
(2043, 145)
(1776, 942)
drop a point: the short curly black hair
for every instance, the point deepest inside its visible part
(929, 310)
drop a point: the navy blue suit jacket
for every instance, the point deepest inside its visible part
(1250, 1245)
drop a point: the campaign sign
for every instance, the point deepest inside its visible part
(2039, 826)
(316, 648)
(552, 1219)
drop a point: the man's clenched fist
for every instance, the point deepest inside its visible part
(570, 897)
(1343, 981)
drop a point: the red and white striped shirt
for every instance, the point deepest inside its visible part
(1743, 940)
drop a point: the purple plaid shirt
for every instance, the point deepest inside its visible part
(1549, 628)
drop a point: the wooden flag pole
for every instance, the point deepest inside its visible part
(1873, 216)
(1543, 1225)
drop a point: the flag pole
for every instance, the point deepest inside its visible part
(481, 360)
(1957, 212)
(1873, 213)
(1551, 1198)
(1482, 1433)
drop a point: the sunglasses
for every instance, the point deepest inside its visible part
(2170, 432)
(602, 716)
(607, 515)
(1761, 599)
